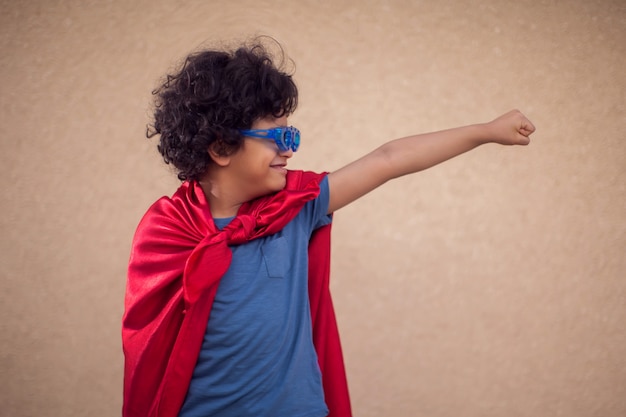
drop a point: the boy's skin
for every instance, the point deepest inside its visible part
(259, 167)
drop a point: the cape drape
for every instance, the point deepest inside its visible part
(177, 259)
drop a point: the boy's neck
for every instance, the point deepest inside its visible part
(221, 204)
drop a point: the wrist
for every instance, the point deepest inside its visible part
(483, 133)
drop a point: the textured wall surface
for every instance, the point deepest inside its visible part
(490, 285)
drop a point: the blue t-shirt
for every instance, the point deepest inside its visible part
(257, 357)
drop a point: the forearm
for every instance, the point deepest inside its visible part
(416, 153)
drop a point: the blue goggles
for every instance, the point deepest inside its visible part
(286, 137)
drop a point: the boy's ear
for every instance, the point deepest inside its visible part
(218, 155)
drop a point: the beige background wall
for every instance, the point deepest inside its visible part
(491, 285)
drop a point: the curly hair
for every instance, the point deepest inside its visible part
(213, 95)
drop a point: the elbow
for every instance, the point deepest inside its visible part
(391, 161)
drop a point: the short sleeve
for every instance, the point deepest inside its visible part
(315, 211)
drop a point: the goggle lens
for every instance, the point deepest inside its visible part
(290, 138)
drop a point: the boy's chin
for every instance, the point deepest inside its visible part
(276, 186)
(281, 185)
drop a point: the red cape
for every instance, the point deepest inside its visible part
(177, 259)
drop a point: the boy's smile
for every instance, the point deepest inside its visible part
(280, 167)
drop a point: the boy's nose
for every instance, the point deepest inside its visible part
(287, 154)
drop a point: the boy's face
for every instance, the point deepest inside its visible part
(259, 167)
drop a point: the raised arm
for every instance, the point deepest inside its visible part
(416, 153)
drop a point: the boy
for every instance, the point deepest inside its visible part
(228, 311)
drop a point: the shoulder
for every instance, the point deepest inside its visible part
(303, 180)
